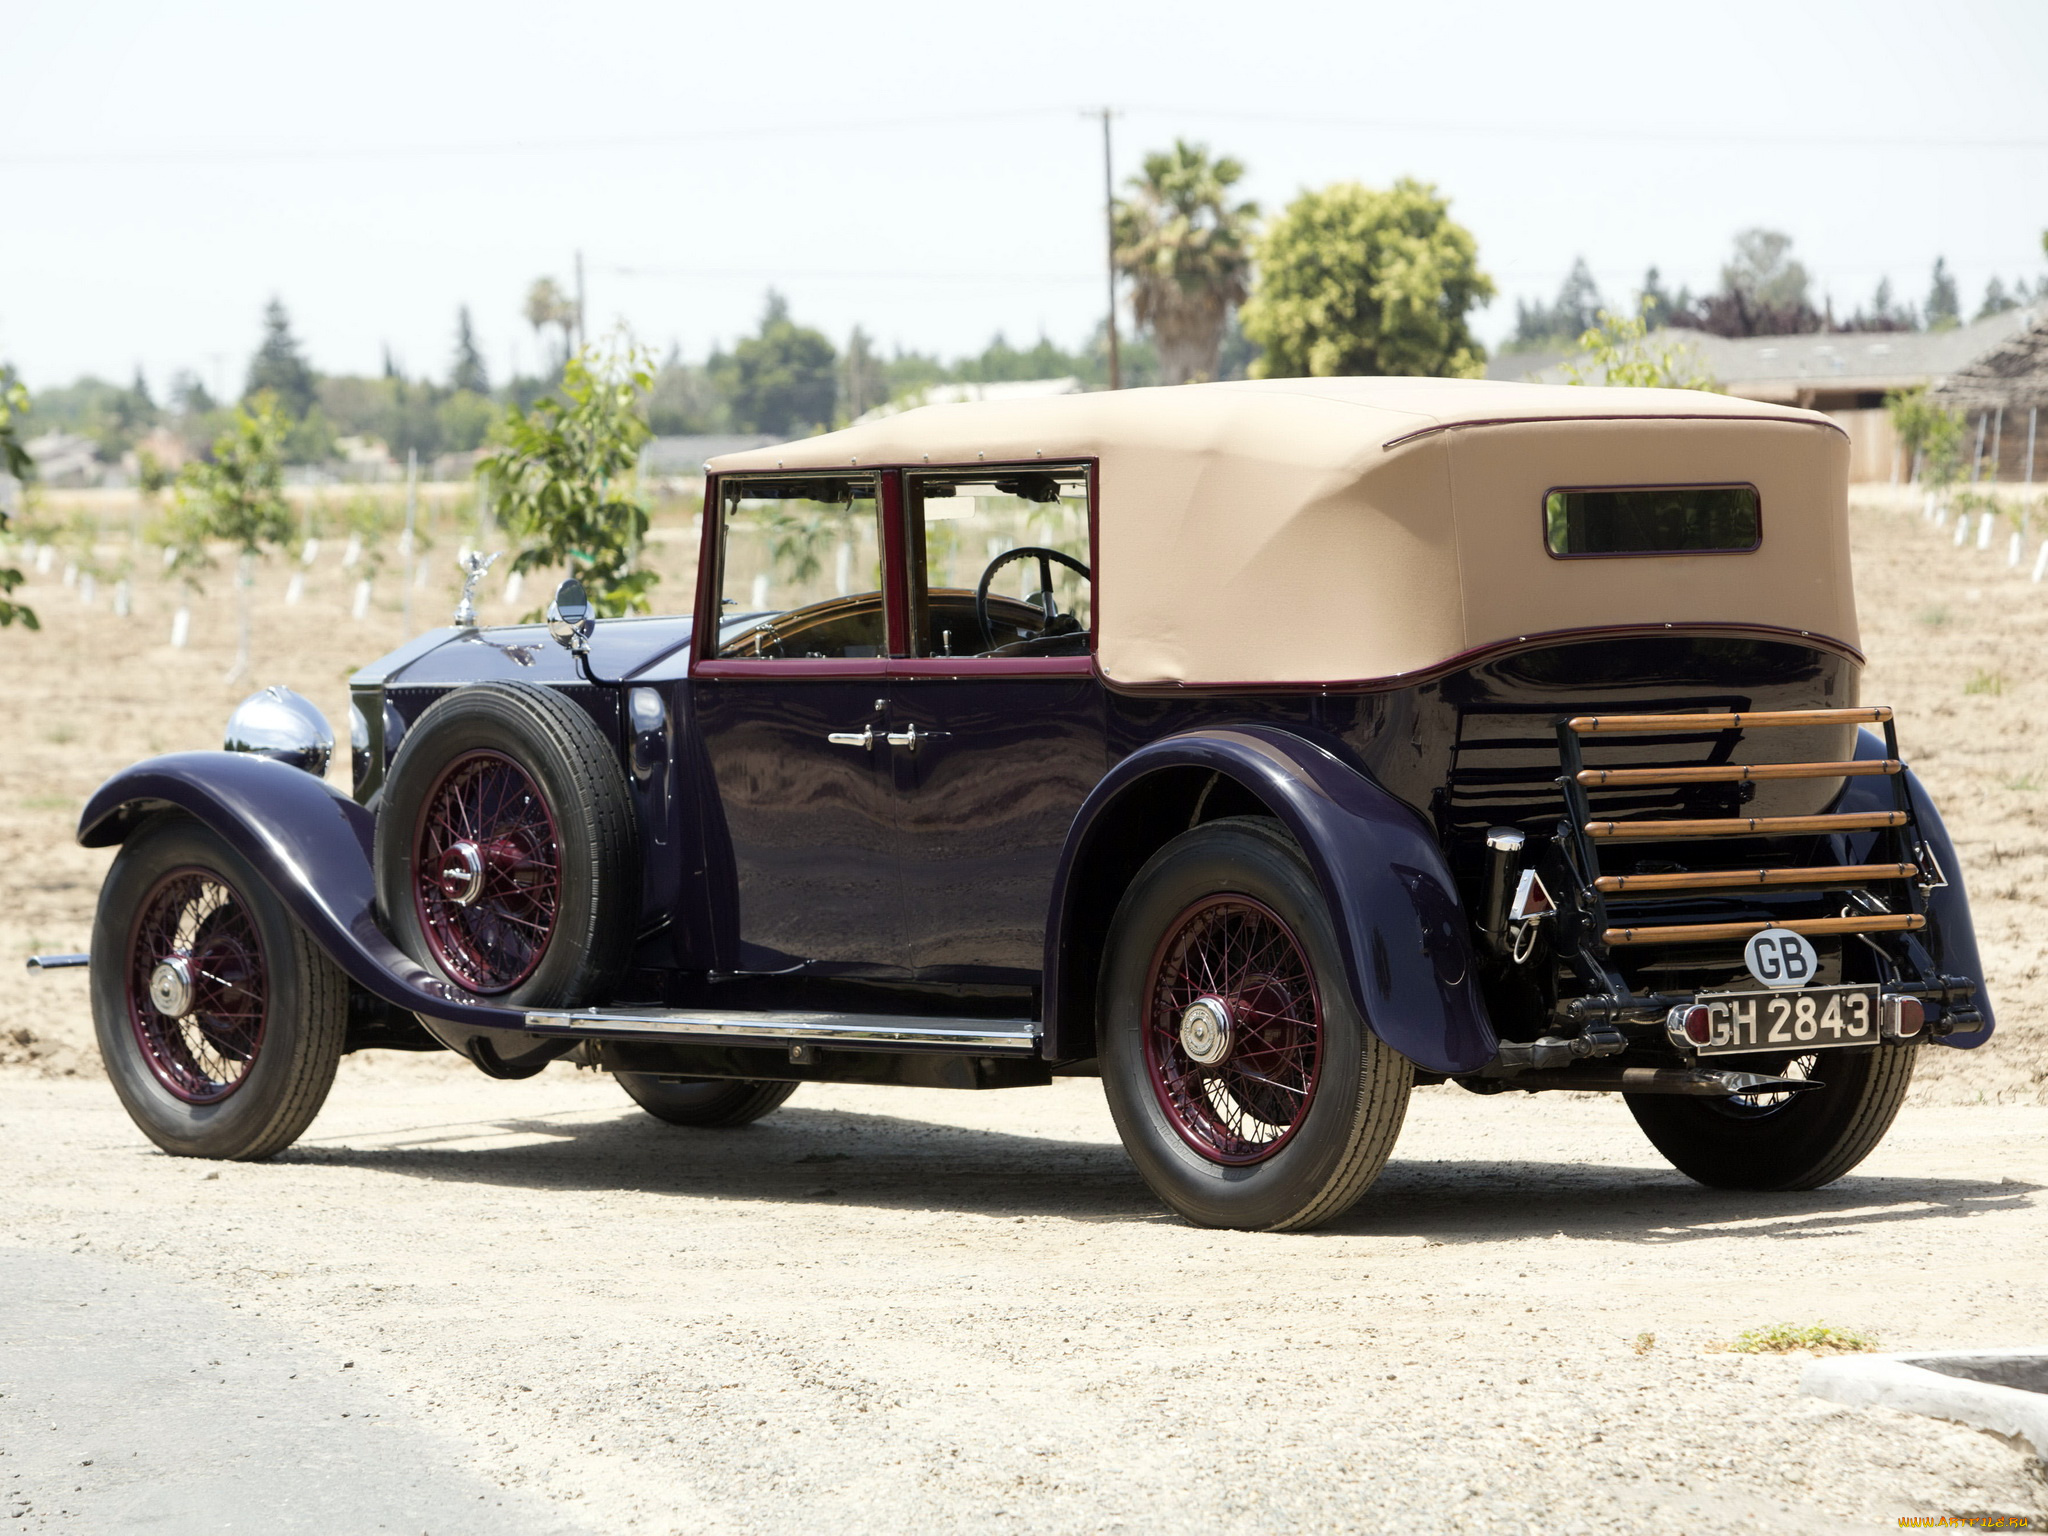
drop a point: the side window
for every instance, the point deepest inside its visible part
(999, 562)
(800, 568)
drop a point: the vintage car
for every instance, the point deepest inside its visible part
(1264, 749)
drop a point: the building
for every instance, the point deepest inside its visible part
(1846, 374)
(2003, 394)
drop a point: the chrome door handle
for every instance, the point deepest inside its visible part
(864, 737)
(910, 736)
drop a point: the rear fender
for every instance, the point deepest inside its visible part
(1400, 925)
(1954, 936)
(312, 846)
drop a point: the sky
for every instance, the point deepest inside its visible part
(929, 171)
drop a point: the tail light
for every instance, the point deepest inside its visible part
(1903, 1018)
(1689, 1024)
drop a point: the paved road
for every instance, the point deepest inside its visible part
(885, 1310)
(135, 1403)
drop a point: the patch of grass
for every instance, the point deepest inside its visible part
(48, 803)
(2025, 784)
(63, 736)
(1934, 617)
(1645, 1342)
(1783, 1338)
(1992, 683)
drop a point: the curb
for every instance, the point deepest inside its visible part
(1979, 1387)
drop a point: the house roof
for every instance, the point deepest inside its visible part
(1787, 368)
(2013, 373)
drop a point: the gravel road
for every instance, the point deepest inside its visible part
(463, 1305)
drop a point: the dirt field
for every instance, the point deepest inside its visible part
(1956, 641)
(469, 1306)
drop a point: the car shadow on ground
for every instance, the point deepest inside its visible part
(840, 1157)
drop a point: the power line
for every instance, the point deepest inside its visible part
(242, 154)
(753, 274)
(1609, 132)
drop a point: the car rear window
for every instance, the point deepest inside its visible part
(1653, 520)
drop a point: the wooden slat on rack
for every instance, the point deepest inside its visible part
(1745, 879)
(1737, 773)
(1700, 933)
(1607, 725)
(1741, 826)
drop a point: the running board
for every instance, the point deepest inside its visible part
(831, 1031)
(58, 962)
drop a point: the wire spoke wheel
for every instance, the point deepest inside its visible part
(488, 864)
(1233, 1030)
(198, 990)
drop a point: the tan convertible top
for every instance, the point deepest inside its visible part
(1330, 530)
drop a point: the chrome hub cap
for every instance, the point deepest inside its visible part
(1205, 1031)
(170, 987)
(461, 873)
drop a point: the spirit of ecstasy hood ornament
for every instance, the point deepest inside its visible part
(474, 565)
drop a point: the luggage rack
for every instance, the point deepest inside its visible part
(1900, 866)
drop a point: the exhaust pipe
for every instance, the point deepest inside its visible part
(1504, 846)
(1694, 1082)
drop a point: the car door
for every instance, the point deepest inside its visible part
(996, 731)
(791, 709)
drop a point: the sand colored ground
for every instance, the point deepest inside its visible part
(1955, 637)
(527, 1308)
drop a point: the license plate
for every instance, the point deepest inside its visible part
(1812, 1019)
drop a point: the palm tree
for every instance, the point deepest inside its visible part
(1186, 251)
(547, 305)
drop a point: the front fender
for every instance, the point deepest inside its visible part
(312, 845)
(1954, 936)
(1400, 925)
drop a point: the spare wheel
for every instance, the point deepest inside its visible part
(506, 854)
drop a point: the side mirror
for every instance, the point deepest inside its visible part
(570, 620)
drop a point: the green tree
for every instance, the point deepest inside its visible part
(1764, 273)
(1932, 434)
(1358, 281)
(547, 305)
(1763, 292)
(1996, 300)
(469, 372)
(1576, 311)
(1944, 304)
(999, 361)
(1659, 303)
(278, 366)
(783, 380)
(555, 483)
(861, 382)
(465, 420)
(239, 497)
(1618, 350)
(685, 401)
(1186, 249)
(17, 465)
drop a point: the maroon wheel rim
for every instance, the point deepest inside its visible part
(198, 988)
(1236, 960)
(487, 872)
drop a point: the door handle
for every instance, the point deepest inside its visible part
(864, 737)
(910, 736)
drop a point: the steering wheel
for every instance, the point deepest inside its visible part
(1045, 559)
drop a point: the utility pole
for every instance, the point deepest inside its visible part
(1116, 375)
(579, 301)
(408, 543)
